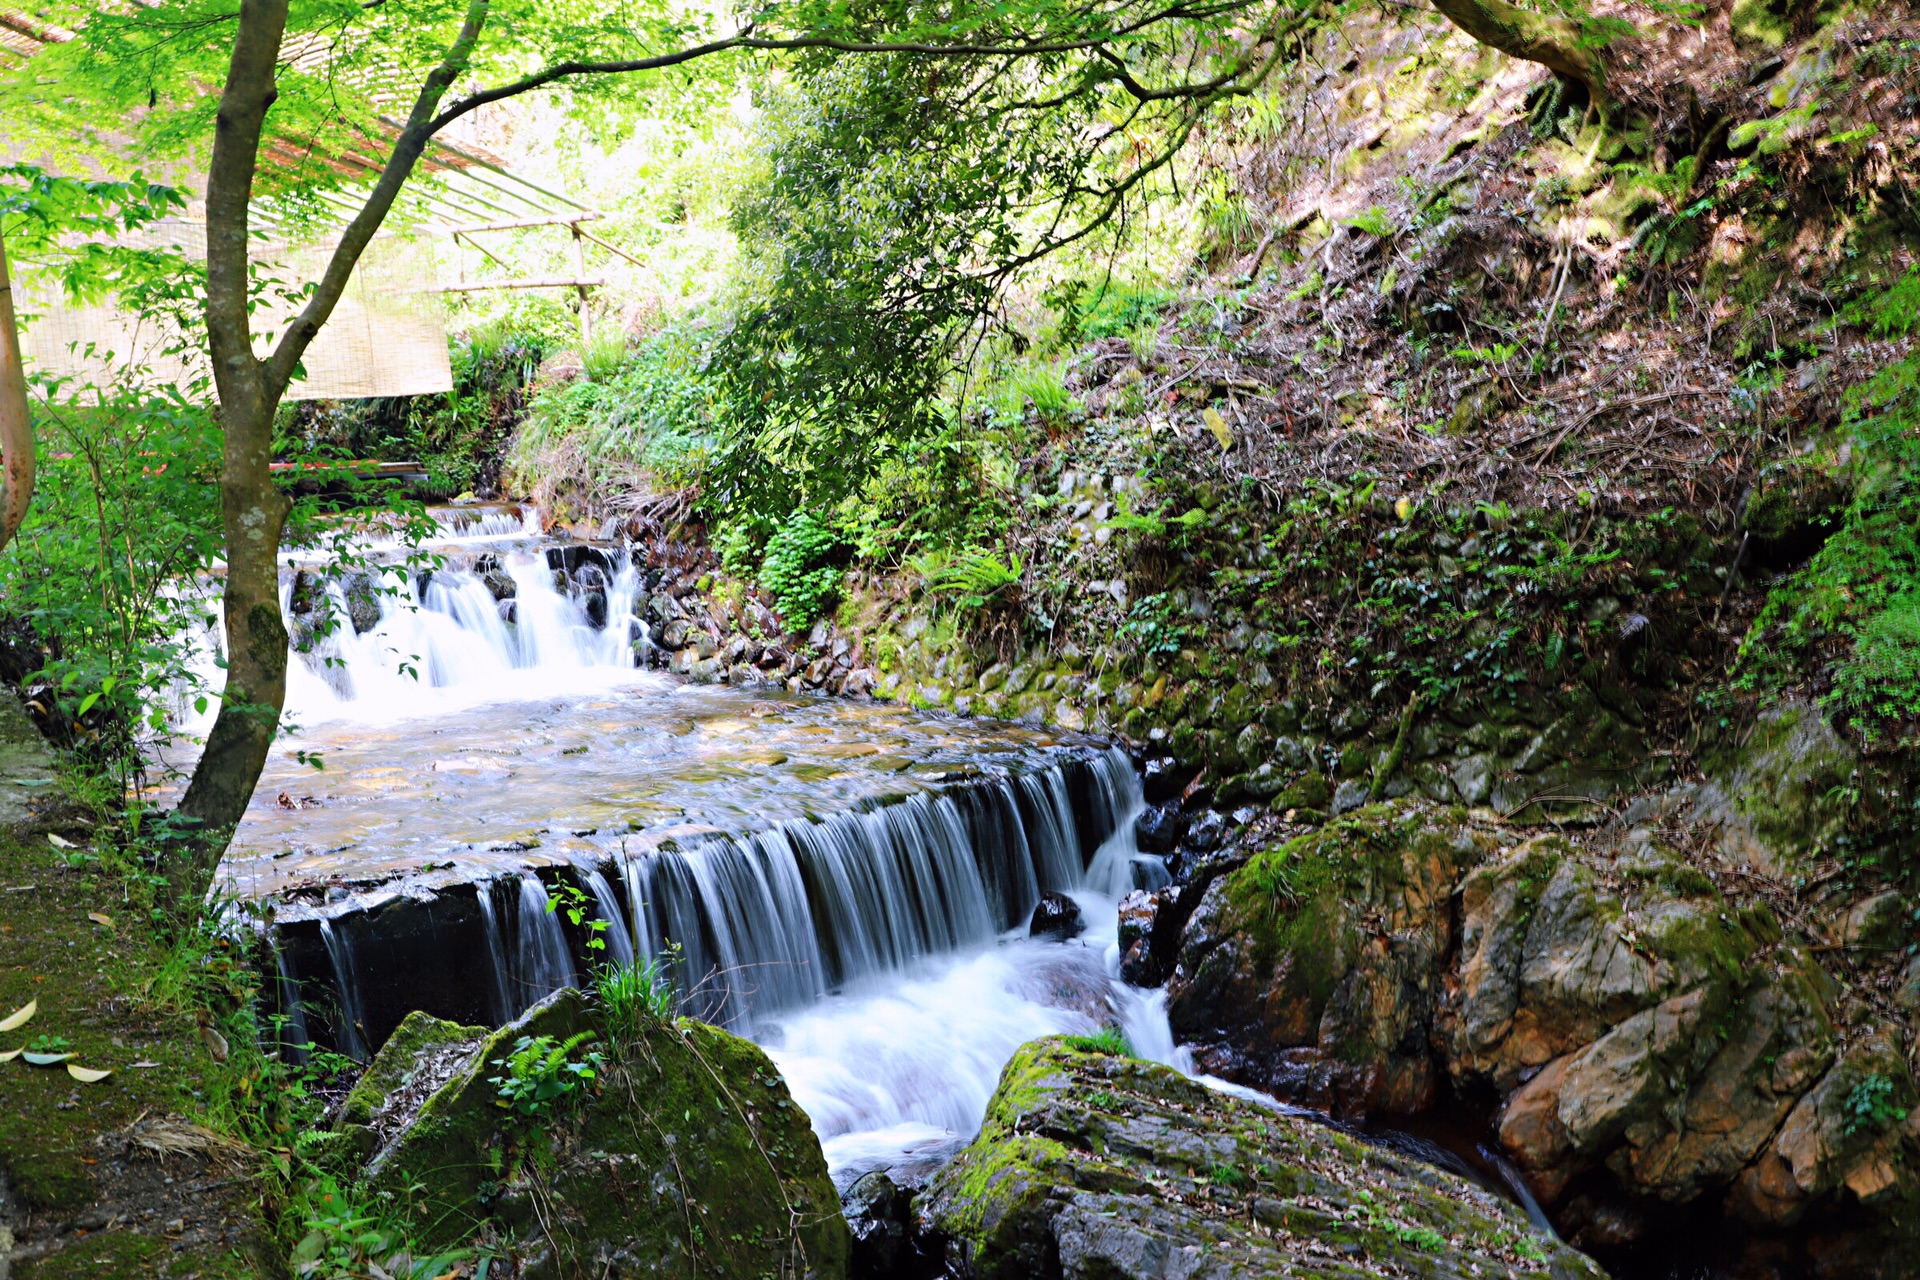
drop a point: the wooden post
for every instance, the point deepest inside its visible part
(580, 273)
(16, 424)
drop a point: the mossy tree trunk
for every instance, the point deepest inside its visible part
(1550, 40)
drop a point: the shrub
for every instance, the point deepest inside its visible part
(796, 572)
(630, 995)
(1108, 1040)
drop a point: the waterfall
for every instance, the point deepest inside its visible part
(761, 923)
(498, 999)
(618, 935)
(347, 983)
(293, 1034)
(545, 965)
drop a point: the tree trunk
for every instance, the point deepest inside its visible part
(16, 423)
(253, 510)
(1553, 42)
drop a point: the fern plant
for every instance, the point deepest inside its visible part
(971, 579)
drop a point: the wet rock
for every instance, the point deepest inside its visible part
(1206, 832)
(1057, 916)
(705, 645)
(1163, 778)
(685, 1122)
(363, 601)
(879, 1215)
(675, 635)
(595, 605)
(1159, 829)
(1907, 994)
(1097, 1167)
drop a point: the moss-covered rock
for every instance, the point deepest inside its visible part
(1093, 1165)
(684, 1157)
(1780, 795)
(1314, 970)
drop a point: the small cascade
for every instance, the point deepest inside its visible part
(347, 985)
(544, 964)
(498, 1002)
(618, 935)
(758, 924)
(293, 1035)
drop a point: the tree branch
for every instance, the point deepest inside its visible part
(16, 426)
(1551, 41)
(420, 128)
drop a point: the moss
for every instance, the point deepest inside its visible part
(396, 1060)
(691, 1155)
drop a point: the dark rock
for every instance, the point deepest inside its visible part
(1206, 832)
(509, 611)
(363, 601)
(1056, 916)
(596, 607)
(879, 1213)
(500, 584)
(1159, 829)
(675, 635)
(1163, 779)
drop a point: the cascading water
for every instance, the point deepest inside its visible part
(848, 883)
(347, 984)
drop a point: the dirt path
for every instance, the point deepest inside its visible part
(115, 1178)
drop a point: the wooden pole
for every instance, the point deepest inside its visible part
(580, 273)
(16, 424)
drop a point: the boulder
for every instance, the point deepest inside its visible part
(1092, 1165)
(1313, 972)
(1159, 829)
(1055, 916)
(1778, 797)
(1877, 924)
(685, 1156)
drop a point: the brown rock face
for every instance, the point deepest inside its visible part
(1643, 1034)
(1314, 972)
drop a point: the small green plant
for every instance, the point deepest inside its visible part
(970, 579)
(49, 1044)
(1225, 1175)
(1871, 1106)
(1373, 221)
(796, 570)
(572, 901)
(630, 995)
(346, 1239)
(1108, 1040)
(541, 1075)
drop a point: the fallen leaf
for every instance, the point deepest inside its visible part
(216, 1043)
(44, 1059)
(10, 1055)
(87, 1075)
(1218, 425)
(57, 842)
(19, 1017)
(1404, 509)
(144, 1063)
(100, 917)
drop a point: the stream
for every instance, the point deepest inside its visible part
(847, 883)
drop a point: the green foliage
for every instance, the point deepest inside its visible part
(1373, 221)
(571, 901)
(1106, 309)
(1158, 625)
(1872, 1106)
(1862, 588)
(632, 995)
(971, 578)
(541, 1077)
(348, 1236)
(796, 570)
(1108, 1040)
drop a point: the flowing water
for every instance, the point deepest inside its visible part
(848, 883)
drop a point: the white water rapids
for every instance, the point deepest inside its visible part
(848, 883)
